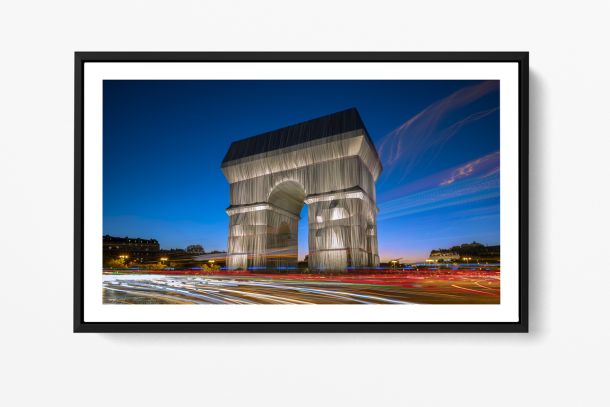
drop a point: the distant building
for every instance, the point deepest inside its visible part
(468, 252)
(172, 251)
(133, 248)
(442, 256)
(195, 249)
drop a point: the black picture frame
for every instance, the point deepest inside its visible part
(81, 58)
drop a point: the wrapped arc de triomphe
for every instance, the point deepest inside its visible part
(330, 164)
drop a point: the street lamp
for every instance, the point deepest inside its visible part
(123, 258)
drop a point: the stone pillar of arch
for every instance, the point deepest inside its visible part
(328, 163)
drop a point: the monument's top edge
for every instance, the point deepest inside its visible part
(315, 129)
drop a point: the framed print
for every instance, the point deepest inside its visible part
(301, 192)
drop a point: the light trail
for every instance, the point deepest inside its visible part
(305, 290)
(487, 288)
(275, 298)
(327, 292)
(168, 297)
(470, 289)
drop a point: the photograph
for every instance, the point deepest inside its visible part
(379, 190)
(301, 192)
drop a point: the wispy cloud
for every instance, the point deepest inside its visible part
(460, 193)
(489, 163)
(403, 149)
(470, 182)
(484, 166)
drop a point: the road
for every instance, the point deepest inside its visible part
(177, 289)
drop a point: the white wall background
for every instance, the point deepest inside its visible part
(563, 361)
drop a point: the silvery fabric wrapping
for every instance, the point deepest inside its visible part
(331, 165)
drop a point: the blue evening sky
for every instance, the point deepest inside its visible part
(438, 142)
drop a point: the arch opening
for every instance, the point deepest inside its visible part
(283, 227)
(289, 196)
